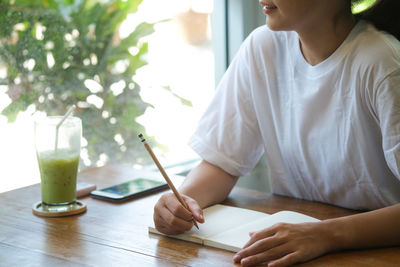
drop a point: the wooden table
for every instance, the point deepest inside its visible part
(116, 234)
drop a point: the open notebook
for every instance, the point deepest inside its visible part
(228, 227)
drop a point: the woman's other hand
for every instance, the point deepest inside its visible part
(284, 244)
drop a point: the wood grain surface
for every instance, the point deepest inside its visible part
(110, 234)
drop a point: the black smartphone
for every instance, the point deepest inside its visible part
(132, 189)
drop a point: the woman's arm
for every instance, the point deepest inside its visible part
(286, 244)
(205, 185)
(208, 184)
(376, 228)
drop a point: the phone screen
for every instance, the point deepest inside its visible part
(131, 189)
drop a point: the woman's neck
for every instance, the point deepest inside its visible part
(321, 41)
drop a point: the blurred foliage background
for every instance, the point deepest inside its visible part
(63, 52)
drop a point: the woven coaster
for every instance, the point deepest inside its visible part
(73, 209)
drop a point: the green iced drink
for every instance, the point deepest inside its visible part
(58, 170)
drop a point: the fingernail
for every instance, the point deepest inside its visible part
(198, 215)
(236, 258)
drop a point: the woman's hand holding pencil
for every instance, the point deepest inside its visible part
(171, 218)
(179, 212)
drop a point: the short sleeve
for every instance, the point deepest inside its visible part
(387, 103)
(228, 134)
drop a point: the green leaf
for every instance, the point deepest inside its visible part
(136, 61)
(124, 7)
(143, 29)
(184, 101)
(13, 109)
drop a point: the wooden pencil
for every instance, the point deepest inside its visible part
(164, 174)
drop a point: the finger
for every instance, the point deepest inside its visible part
(169, 224)
(164, 219)
(168, 231)
(255, 236)
(266, 256)
(286, 260)
(258, 247)
(177, 209)
(195, 209)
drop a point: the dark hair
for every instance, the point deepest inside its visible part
(384, 15)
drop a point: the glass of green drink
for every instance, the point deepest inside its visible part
(58, 149)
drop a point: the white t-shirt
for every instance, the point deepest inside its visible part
(330, 132)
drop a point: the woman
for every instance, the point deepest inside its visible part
(318, 91)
